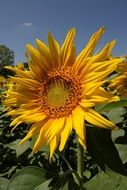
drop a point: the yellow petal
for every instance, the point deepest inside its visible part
(53, 146)
(42, 126)
(97, 76)
(71, 59)
(92, 67)
(36, 64)
(110, 64)
(16, 122)
(29, 83)
(34, 54)
(29, 135)
(104, 53)
(40, 141)
(34, 130)
(102, 96)
(20, 73)
(78, 122)
(88, 50)
(83, 142)
(96, 119)
(44, 53)
(66, 132)
(28, 117)
(86, 103)
(25, 98)
(90, 88)
(54, 49)
(55, 127)
(67, 47)
(35, 117)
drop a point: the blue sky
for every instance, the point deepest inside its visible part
(22, 21)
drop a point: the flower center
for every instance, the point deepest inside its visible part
(56, 94)
(59, 93)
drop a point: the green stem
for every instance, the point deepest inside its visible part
(80, 160)
(74, 173)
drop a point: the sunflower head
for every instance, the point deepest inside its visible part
(2, 81)
(3, 86)
(58, 92)
(119, 83)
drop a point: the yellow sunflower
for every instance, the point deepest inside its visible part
(2, 81)
(3, 84)
(119, 83)
(59, 90)
(20, 66)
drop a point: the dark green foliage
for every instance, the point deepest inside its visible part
(105, 150)
(6, 56)
(6, 59)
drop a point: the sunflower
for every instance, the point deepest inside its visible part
(3, 84)
(58, 91)
(2, 81)
(119, 83)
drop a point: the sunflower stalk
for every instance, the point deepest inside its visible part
(75, 175)
(80, 162)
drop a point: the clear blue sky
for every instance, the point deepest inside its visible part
(22, 21)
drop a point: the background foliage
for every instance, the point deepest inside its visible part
(106, 153)
(6, 59)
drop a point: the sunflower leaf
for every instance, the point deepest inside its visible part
(19, 148)
(103, 150)
(122, 148)
(28, 178)
(64, 183)
(45, 185)
(103, 181)
(3, 183)
(112, 105)
(116, 115)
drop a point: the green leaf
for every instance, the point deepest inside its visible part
(105, 182)
(121, 139)
(112, 105)
(28, 178)
(62, 182)
(44, 185)
(103, 150)
(117, 133)
(59, 184)
(2, 108)
(19, 148)
(116, 115)
(3, 183)
(122, 148)
(65, 183)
